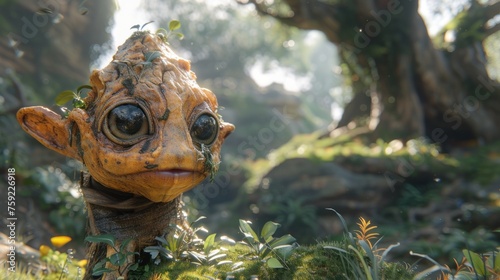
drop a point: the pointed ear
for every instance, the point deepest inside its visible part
(48, 128)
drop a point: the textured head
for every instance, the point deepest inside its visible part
(148, 128)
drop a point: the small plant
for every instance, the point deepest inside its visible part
(183, 244)
(166, 34)
(139, 27)
(365, 231)
(265, 244)
(61, 263)
(473, 266)
(361, 258)
(211, 254)
(210, 166)
(75, 97)
(118, 259)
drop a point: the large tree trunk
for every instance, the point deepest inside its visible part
(415, 89)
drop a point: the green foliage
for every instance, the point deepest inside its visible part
(139, 27)
(468, 28)
(62, 265)
(473, 266)
(450, 245)
(304, 262)
(166, 34)
(360, 258)
(264, 244)
(117, 259)
(76, 98)
(59, 196)
(183, 245)
(210, 166)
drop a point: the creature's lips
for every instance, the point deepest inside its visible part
(165, 185)
(174, 173)
(171, 175)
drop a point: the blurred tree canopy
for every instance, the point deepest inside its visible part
(404, 84)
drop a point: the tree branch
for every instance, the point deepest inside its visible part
(492, 30)
(313, 15)
(492, 11)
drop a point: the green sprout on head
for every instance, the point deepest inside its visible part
(75, 97)
(172, 26)
(139, 27)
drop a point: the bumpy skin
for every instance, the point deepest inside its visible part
(165, 158)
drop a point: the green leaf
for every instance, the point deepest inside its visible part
(209, 243)
(142, 27)
(227, 239)
(268, 230)
(64, 97)
(134, 267)
(100, 271)
(224, 262)
(274, 263)
(284, 251)
(83, 11)
(161, 239)
(199, 219)
(82, 87)
(247, 229)
(124, 244)
(180, 240)
(218, 256)
(463, 275)
(174, 25)
(117, 259)
(103, 238)
(180, 36)
(236, 265)
(344, 224)
(162, 31)
(150, 56)
(476, 261)
(153, 251)
(284, 240)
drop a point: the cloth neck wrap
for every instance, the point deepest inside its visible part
(126, 215)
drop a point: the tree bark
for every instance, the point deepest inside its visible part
(415, 88)
(127, 218)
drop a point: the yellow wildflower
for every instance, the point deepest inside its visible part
(44, 250)
(82, 263)
(59, 241)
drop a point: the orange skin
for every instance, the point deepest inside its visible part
(164, 161)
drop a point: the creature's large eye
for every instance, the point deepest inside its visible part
(127, 124)
(205, 129)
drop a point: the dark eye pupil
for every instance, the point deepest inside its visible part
(204, 129)
(128, 119)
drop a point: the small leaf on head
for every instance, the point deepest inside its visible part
(174, 25)
(64, 97)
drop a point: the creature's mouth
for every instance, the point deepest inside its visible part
(174, 173)
(172, 176)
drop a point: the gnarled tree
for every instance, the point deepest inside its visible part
(405, 85)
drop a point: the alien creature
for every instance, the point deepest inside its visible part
(146, 134)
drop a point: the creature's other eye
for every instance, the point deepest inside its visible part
(127, 124)
(205, 129)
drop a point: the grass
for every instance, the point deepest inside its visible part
(307, 262)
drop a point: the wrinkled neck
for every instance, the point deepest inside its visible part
(97, 194)
(126, 215)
